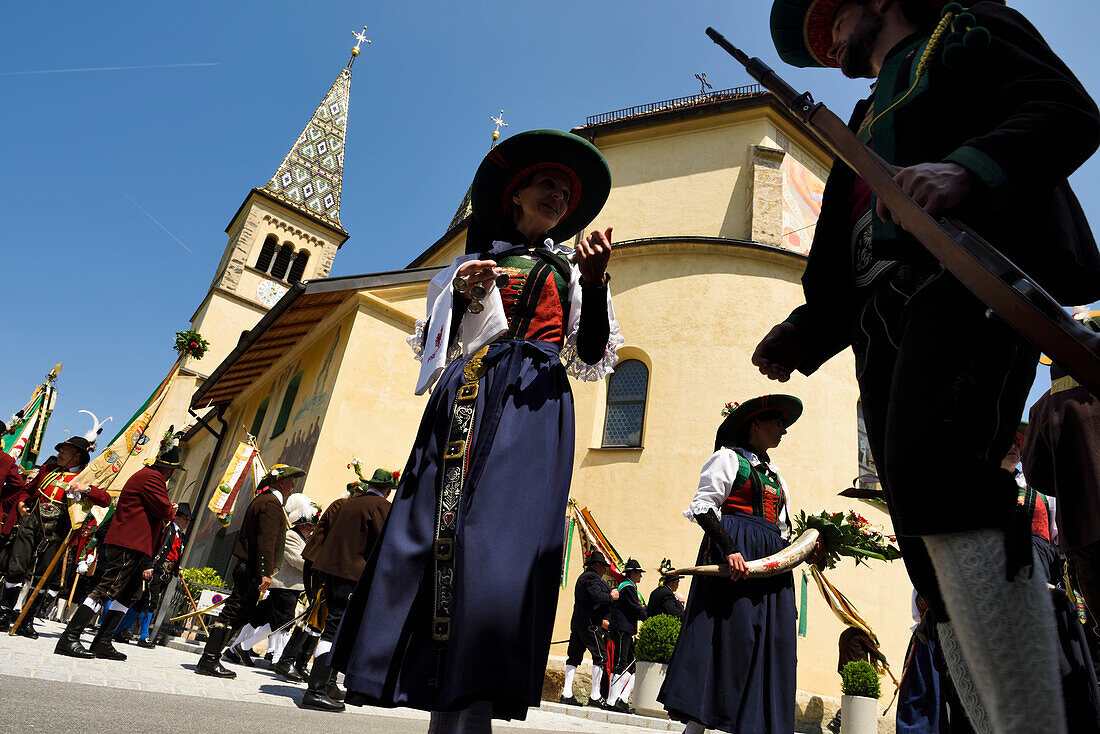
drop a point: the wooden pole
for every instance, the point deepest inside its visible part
(194, 606)
(41, 582)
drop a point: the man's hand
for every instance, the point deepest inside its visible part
(614, 595)
(22, 509)
(76, 489)
(738, 569)
(605, 624)
(147, 574)
(264, 583)
(818, 556)
(936, 187)
(780, 352)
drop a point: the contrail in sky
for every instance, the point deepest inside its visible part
(139, 206)
(107, 68)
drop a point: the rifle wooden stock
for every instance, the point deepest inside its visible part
(1008, 291)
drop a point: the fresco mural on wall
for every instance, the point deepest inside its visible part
(803, 187)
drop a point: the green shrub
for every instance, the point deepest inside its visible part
(859, 678)
(657, 638)
(205, 576)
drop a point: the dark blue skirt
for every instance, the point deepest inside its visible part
(921, 707)
(508, 549)
(733, 668)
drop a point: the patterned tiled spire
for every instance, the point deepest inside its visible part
(310, 177)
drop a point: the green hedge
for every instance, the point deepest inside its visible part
(657, 638)
(859, 678)
(205, 576)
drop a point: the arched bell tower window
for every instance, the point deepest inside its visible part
(267, 251)
(282, 262)
(299, 267)
(627, 387)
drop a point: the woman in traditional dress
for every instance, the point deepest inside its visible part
(734, 664)
(455, 608)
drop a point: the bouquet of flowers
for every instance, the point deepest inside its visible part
(847, 535)
(191, 344)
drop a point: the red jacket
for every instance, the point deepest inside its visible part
(139, 511)
(29, 494)
(11, 484)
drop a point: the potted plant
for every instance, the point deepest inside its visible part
(859, 705)
(653, 650)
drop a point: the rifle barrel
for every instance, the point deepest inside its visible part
(801, 104)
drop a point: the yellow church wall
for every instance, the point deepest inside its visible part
(220, 319)
(693, 312)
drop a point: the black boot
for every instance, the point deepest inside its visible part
(69, 642)
(26, 629)
(334, 691)
(301, 663)
(240, 656)
(285, 667)
(101, 645)
(7, 607)
(317, 695)
(210, 662)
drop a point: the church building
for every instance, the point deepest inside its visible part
(713, 203)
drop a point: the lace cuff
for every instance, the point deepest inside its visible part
(576, 367)
(416, 341)
(699, 507)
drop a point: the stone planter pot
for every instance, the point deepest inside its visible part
(650, 678)
(858, 715)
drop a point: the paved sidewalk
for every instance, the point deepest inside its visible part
(171, 671)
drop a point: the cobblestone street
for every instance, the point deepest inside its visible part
(268, 702)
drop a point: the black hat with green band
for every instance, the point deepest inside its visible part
(515, 159)
(786, 407)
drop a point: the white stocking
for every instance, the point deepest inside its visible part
(1004, 632)
(629, 688)
(278, 642)
(247, 643)
(243, 635)
(963, 680)
(567, 687)
(618, 683)
(597, 678)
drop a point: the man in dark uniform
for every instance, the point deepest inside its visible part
(43, 527)
(664, 599)
(161, 568)
(293, 663)
(340, 562)
(996, 94)
(141, 511)
(592, 599)
(259, 552)
(626, 612)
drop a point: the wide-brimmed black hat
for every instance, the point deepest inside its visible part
(168, 459)
(79, 443)
(632, 565)
(596, 557)
(183, 510)
(802, 30)
(516, 158)
(787, 407)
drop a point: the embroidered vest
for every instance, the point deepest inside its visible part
(1035, 505)
(759, 495)
(536, 299)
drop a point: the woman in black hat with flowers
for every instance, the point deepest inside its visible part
(734, 664)
(507, 323)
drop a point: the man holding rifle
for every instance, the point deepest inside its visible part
(986, 123)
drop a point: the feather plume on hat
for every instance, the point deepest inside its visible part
(93, 435)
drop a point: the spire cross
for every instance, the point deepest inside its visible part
(360, 37)
(499, 120)
(703, 80)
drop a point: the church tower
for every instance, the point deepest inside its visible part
(285, 231)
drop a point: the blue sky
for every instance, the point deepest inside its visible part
(117, 184)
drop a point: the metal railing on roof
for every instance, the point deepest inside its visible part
(666, 105)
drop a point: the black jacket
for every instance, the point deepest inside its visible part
(663, 601)
(591, 600)
(1019, 120)
(627, 610)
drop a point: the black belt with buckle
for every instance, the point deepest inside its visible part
(456, 458)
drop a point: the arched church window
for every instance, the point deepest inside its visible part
(282, 262)
(288, 403)
(299, 267)
(626, 396)
(267, 251)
